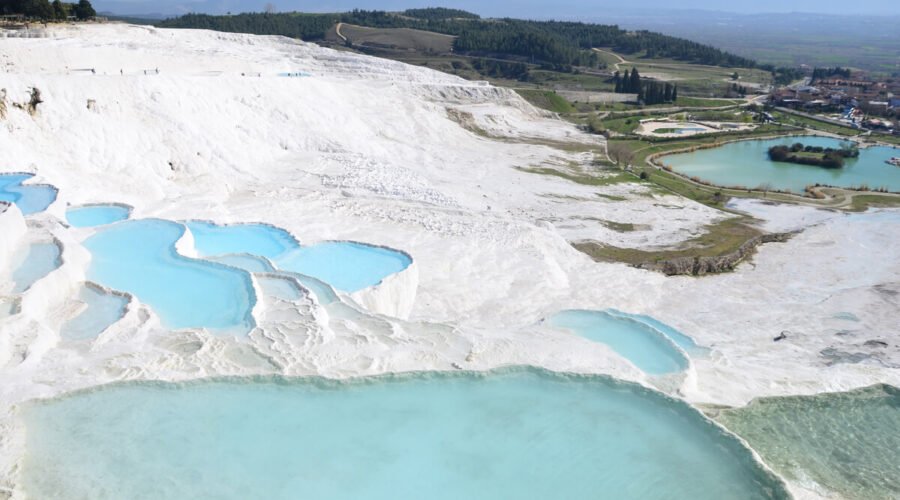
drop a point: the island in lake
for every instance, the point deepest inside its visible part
(813, 155)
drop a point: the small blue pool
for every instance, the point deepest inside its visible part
(34, 264)
(29, 198)
(683, 341)
(96, 215)
(644, 346)
(139, 257)
(347, 266)
(254, 239)
(686, 130)
(102, 310)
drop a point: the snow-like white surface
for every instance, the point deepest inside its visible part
(365, 149)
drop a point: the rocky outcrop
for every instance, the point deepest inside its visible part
(699, 265)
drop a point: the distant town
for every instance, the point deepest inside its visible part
(845, 96)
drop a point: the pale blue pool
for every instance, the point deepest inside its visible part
(35, 263)
(29, 198)
(103, 309)
(746, 163)
(139, 257)
(255, 239)
(518, 434)
(8, 307)
(682, 340)
(345, 265)
(282, 288)
(646, 347)
(249, 263)
(96, 215)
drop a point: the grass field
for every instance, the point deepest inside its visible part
(610, 176)
(394, 38)
(696, 79)
(547, 99)
(719, 239)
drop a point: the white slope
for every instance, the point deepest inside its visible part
(371, 150)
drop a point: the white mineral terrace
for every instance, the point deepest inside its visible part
(368, 150)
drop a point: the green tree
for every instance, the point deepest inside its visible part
(634, 84)
(39, 9)
(84, 10)
(60, 12)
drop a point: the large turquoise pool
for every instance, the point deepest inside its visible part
(746, 163)
(518, 434)
(644, 346)
(139, 257)
(29, 198)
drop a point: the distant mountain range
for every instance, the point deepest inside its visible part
(788, 39)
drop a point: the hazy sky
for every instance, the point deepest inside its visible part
(560, 9)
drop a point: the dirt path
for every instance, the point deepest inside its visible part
(617, 56)
(337, 30)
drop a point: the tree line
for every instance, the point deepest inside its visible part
(435, 13)
(821, 73)
(45, 11)
(559, 44)
(648, 92)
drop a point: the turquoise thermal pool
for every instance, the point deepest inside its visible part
(139, 257)
(644, 346)
(680, 339)
(746, 163)
(254, 239)
(37, 262)
(515, 434)
(29, 198)
(101, 310)
(345, 265)
(96, 215)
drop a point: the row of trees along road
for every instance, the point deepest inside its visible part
(649, 92)
(46, 11)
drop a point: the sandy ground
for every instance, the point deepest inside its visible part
(364, 149)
